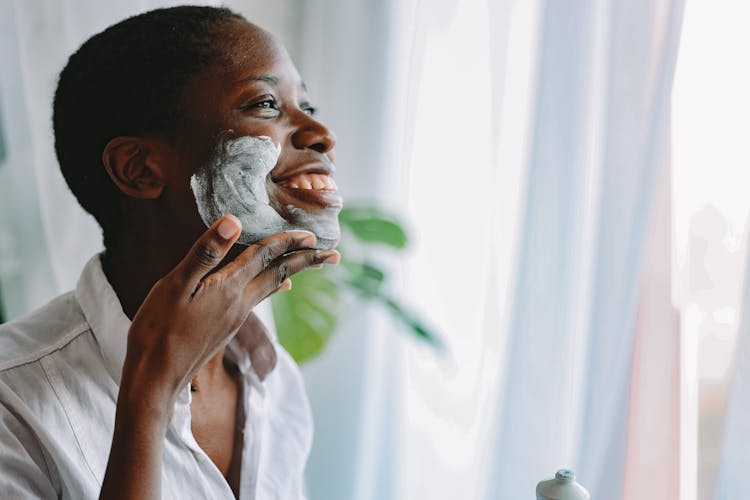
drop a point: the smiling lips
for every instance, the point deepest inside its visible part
(310, 191)
(311, 181)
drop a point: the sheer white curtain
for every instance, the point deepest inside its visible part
(539, 135)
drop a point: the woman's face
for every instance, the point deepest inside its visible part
(250, 144)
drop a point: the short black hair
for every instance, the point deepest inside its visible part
(128, 81)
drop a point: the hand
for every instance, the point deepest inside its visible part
(192, 313)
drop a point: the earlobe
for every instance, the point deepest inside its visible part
(132, 167)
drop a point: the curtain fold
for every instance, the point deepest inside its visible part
(642, 58)
(602, 170)
(536, 432)
(25, 269)
(652, 464)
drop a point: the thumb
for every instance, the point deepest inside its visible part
(208, 251)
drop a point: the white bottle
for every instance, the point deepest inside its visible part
(563, 487)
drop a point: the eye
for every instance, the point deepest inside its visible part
(265, 106)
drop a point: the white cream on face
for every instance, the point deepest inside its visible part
(234, 182)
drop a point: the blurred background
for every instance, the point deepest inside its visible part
(568, 183)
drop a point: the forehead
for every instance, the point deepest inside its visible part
(249, 50)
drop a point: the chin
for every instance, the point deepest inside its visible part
(323, 223)
(325, 227)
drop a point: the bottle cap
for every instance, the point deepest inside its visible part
(562, 487)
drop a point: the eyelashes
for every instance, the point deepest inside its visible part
(265, 106)
(268, 106)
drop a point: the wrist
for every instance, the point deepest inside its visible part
(144, 407)
(147, 392)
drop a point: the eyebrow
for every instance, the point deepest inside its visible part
(273, 80)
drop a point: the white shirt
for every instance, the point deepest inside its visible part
(60, 369)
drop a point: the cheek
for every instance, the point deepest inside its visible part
(235, 182)
(242, 126)
(272, 132)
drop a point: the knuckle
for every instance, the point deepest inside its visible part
(265, 254)
(206, 254)
(213, 281)
(226, 287)
(282, 273)
(296, 240)
(312, 258)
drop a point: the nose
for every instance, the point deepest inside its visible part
(311, 134)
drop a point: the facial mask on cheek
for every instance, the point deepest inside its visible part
(235, 183)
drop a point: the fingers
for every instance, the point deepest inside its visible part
(284, 287)
(282, 268)
(209, 250)
(257, 257)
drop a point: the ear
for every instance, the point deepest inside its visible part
(134, 165)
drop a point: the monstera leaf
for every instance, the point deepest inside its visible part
(370, 225)
(307, 315)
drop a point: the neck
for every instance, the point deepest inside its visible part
(150, 245)
(133, 273)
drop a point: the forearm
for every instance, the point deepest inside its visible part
(134, 468)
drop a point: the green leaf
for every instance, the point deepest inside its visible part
(371, 225)
(307, 315)
(362, 276)
(414, 323)
(400, 312)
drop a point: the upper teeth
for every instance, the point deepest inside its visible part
(319, 182)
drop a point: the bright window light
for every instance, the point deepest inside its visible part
(711, 196)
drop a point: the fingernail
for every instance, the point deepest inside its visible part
(228, 227)
(333, 258)
(286, 285)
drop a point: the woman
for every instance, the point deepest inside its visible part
(153, 378)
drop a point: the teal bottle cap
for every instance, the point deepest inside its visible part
(562, 487)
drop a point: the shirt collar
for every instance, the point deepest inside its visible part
(110, 325)
(104, 315)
